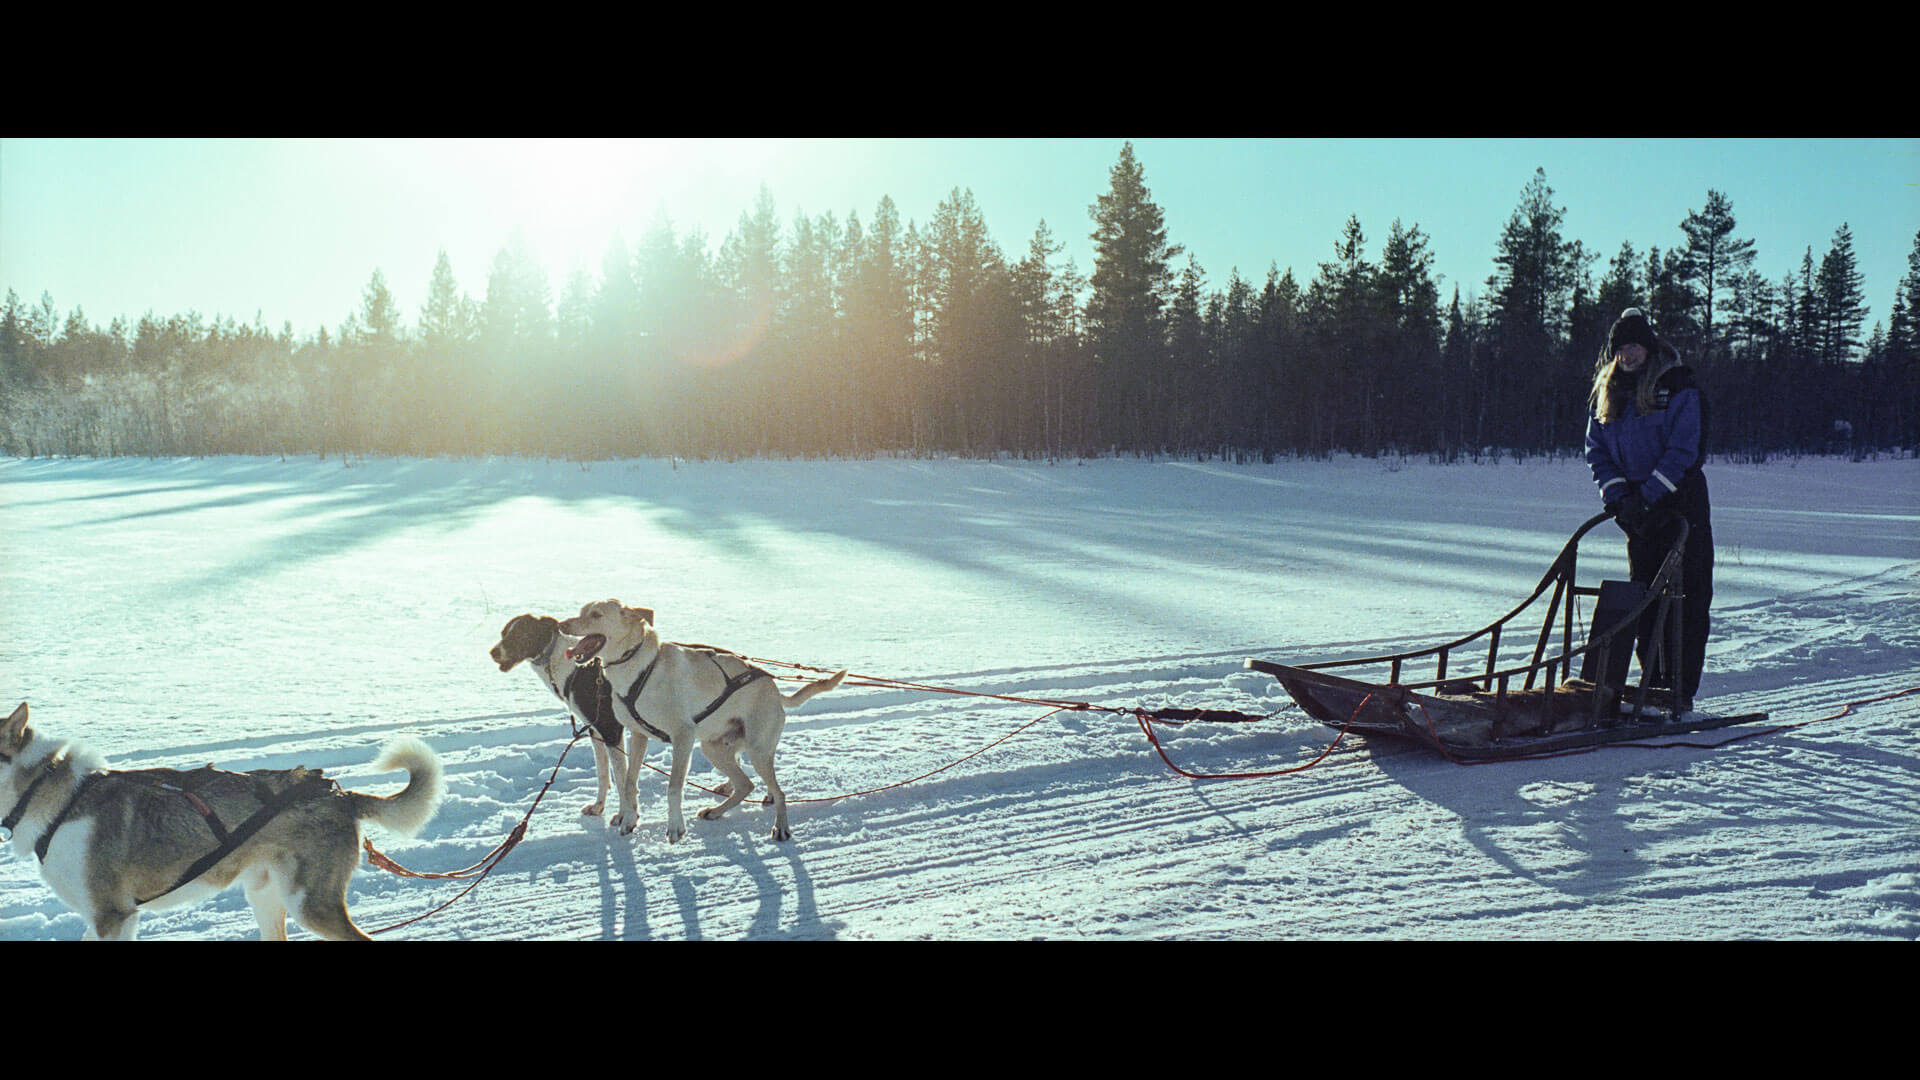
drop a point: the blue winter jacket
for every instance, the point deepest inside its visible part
(1650, 454)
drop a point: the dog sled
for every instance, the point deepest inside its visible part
(1553, 696)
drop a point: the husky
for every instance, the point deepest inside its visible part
(111, 843)
(583, 688)
(685, 694)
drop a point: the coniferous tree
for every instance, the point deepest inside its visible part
(13, 342)
(1280, 338)
(1461, 409)
(516, 338)
(1410, 301)
(1903, 354)
(1671, 302)
(880, 333)
(1132, 285)
(805, 327)
(1620, 289)
(1036, 287)
(440, 390)
(1340, 367)
(1188, 364)
(1530, 293)
(968, 304)
(1713, 259)
(369, 363)
(1840, 301)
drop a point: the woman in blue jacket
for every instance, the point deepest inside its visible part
(1646, 440)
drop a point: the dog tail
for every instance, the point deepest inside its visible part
(409, 809)
(819, 686)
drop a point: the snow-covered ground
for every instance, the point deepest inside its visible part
(259, 613)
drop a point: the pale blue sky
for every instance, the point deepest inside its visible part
(293, 229)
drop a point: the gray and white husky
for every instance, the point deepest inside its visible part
(687, 694)
(112, 843)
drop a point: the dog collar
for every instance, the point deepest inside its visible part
(20, 805)
(546, 654)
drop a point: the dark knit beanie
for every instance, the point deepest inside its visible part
(1631, 328)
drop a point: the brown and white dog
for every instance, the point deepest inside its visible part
(582, 688)
(686, 694)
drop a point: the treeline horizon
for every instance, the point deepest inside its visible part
(831, 337)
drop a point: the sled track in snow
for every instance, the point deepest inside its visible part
(1052, 825)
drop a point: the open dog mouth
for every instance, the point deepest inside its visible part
(587, 648)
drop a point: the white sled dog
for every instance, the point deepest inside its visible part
(583, 688)
(112, 843)
(685, 694)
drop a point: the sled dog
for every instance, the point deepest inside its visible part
(583, 689)
(685, 694)
(112, 843)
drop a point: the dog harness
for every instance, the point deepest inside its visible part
(311, 787)
(600, 719)
(601, 722)
(631, 698)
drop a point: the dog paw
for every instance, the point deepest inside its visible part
(593, 809)
(625, 827)
(782, 835)
(711, 813)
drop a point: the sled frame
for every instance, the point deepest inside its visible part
(1548, 669)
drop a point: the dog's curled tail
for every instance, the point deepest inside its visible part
(409, 809)
(819, 686)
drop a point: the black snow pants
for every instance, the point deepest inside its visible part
(1645, 552)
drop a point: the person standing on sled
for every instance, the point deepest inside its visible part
(1646, 441)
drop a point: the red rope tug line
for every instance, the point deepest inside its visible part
(1147, 720)
(478, 871)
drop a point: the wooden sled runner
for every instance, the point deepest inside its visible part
(1536, 706)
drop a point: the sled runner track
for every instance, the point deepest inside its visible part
(986, 839)
(983, 827)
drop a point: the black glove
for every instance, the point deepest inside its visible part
(1629, 513)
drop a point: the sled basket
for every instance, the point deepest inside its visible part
(1534, 706)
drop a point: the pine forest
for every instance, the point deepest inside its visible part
(856, 336)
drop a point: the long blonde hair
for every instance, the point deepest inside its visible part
(1608, 402)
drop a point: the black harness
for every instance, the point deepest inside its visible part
(20, 805)
(594, 698)
(631, 698)
(313, 786)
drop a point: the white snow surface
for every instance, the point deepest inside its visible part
(265, 613)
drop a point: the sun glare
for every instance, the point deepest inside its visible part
(570, 197)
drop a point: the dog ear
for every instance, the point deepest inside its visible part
(16, 728)
(644, 614)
